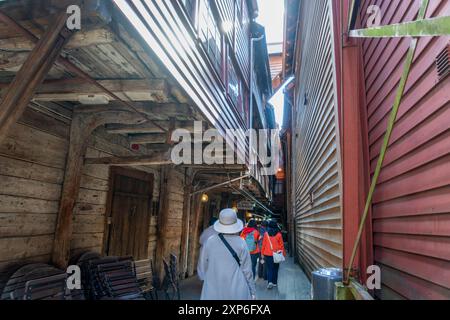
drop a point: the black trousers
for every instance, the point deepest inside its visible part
(272, 270)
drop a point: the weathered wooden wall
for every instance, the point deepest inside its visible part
(411, 207)
(32, 162)
(316, 159)
(175, 211)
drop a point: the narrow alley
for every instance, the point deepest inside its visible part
(293, 284)
(147, 144)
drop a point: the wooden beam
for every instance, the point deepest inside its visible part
(188, 179)
(156, 111)
(83, 38)
(82, 126)
(134, 90)
(12, 61)
(148, 127)
(155, 138)
(162, 225)
(194, 233)
(32, 74)
(70, 67)
(158, 159)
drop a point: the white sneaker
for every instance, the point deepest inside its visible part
(270, 285)
(275, 285)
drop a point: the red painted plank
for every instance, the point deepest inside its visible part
(430, 246)
(426, 203)
(432, 225)
(433, 270)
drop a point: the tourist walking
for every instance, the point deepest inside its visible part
(225, 262)
(273, 252)
(251, 236)
(262, 269)
(206, 234)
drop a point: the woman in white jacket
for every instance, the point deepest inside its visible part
(225, 263)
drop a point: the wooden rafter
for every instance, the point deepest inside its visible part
(70, 67)
(148, 127)
(158, 159)
(155, 90)
(32, 74)
(83, 38)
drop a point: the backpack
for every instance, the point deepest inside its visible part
(250, 240)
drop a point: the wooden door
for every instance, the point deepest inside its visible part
(130, 209)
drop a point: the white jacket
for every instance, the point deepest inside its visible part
(223, 279)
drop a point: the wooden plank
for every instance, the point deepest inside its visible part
(83, 38)
(30, 171)
(88, 223)
(23, 247)
(134, 90)
(26, 224)
(11, 204)
(31, 74)
(25, 143)
(155, 160)
(148, 127)
(29, 188)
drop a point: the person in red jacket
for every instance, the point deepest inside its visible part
(272, 242)
(251, 236)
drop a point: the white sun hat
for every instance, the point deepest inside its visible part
(228, 222)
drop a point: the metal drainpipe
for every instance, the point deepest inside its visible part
(252, 62)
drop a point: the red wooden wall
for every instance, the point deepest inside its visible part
(411, 210)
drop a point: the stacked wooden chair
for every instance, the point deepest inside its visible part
(147, 279)
(38, 281)
(102, 278)
(171, 283)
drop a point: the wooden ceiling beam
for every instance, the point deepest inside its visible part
(154, 110)
(158, 159)
(32, 73)
(83, 38)
(155, 90)
(156, 138)
(148, 127)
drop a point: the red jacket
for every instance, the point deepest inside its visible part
(277, 244)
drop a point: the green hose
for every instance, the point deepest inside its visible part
(387, 138)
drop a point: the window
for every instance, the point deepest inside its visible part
(233, 81)
(210, 35)
(190, 7)
(235, 90)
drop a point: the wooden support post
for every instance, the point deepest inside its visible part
(184, 250)
(32, 73)
(194, 233)
(158, 159)
(163, 219)
(83, 124)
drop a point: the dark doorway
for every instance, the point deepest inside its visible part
(130, 200)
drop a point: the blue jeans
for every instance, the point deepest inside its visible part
(254, 263)
(272, 270)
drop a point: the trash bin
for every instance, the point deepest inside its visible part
(323, 280)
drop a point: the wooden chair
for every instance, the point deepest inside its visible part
(47, 288)
(120, 280)
(146, 277)
(170, 284)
